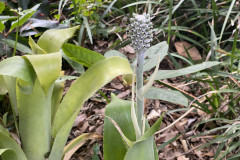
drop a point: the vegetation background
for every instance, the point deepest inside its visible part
(196, 32)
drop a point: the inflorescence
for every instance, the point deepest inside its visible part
(140, 30)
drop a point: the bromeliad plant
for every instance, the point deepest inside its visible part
(43, 118)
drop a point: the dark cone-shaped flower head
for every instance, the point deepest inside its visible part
(140, 31)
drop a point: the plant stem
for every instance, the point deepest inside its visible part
(139, 81)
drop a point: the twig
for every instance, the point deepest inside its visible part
(172, 124)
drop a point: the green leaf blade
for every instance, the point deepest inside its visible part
(166, 95)
(143, 150)
(52, 40)
(8, 142)
(164, 74)
(113, 145)
(21, 20)
(20, 47)
(2, 7)
(8, 154)
(17, 67)
(85, 86)
(159, 50)
(81, 55)
(35, 121)
(47, 68)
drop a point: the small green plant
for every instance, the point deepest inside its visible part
(85, 12)
(19, 20)
(127, 134)
(35, 86)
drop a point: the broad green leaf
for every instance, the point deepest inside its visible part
(86, 85)
(24, 17)
(153, 53)
(120, 111)
(35, 121)
(47, 68)
(83, 88)
(52, 40)
(150, 132)
(113, 145)
(128, 143)
(10, 83)
(81, 55)
(164, 74)
(166, 95)
(35, 48)
(8, 142)
(143, 150)
(20, 47)
(56, 97)
(3, 88)
(3, 130)
(61, 138)
(8, 154)
(2, 7)
(112, 53)
(2, 27)
(76, 66)
(17, 67)
(76, 143)
(127, 79)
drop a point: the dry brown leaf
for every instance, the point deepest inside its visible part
(101, 43)
(73, 149)
(154, 114)
(209, 154)
(182, 158)
(166, 136)
(79, 119)
(193, 52)
(91, 128)
(123, 94)
(118, 86)
(200, 112)
(15, 137)
(99, 130)
(172, 155)
(69, 154)
(127, 49)
(84, 127)
(99, 111)
(190, 121)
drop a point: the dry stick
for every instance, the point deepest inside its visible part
(175, 121)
